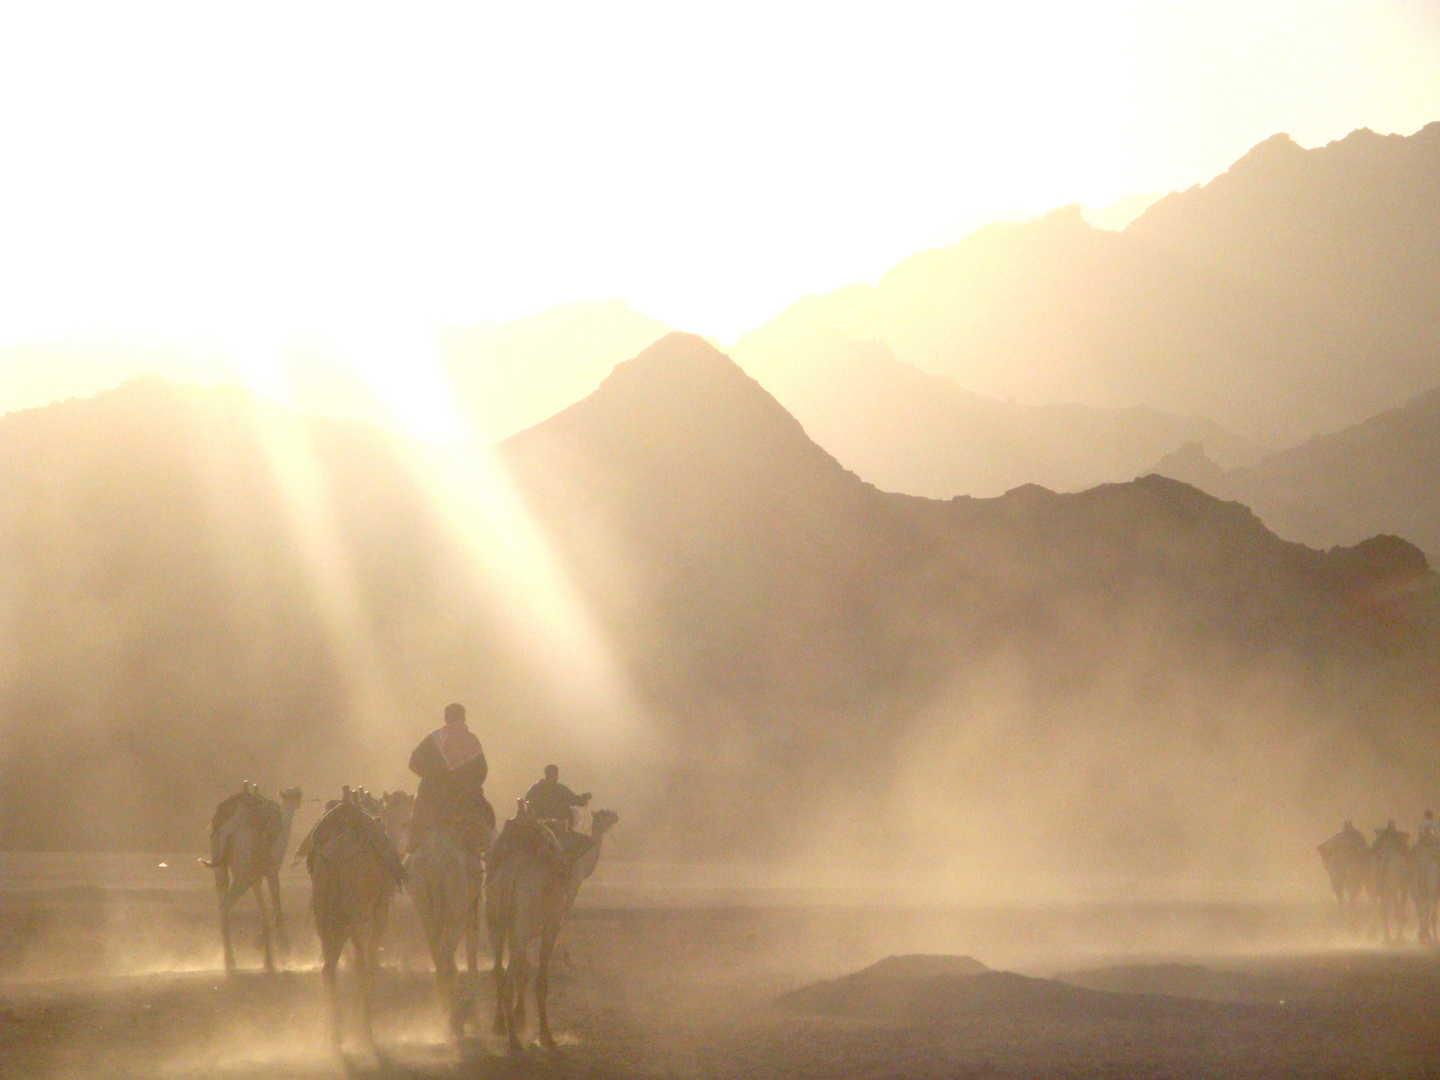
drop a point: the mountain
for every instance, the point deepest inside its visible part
(915, 432)
(505, 376)
(810, 638)
(1298, 292)
(200, 588)
(510, 376)
(1381, 476)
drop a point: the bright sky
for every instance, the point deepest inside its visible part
(207, 168)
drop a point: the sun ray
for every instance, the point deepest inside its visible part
(286, 441)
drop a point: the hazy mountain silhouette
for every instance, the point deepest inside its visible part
(1298, 292)
(801, 629)
(1381, 476)
(505, 376)
(510, 376)
(912, 431)
(821, 665)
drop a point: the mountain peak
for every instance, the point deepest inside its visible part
(1276, 149)
(673, 352)
(682, 405)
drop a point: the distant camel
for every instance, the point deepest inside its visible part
(529, 891)
(396, 810)
(248, 837)
(1346, 857)
(1425, 885)
(445, 884)
(1390, 855)
(351, 889)
(393, 809)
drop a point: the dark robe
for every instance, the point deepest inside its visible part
(552, 799)
(451, 765)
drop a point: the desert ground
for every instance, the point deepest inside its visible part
(110, 965)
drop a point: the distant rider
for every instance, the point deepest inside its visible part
(1391, 835)
(552, 800)
(1426, 831)
(451, 765)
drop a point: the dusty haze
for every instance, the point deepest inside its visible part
(1135, 683)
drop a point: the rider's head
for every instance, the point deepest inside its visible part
(455, 713)
(552, 772)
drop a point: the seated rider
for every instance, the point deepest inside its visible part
(552, 800)
(451, 765)
(1391, 835)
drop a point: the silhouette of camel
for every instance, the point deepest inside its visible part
(351, 889)
(445, 885)
(1391, 880)
(248, 837)
(529, 890)
(1346, 857)
(1425, 885)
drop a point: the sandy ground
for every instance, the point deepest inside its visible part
(113, 969)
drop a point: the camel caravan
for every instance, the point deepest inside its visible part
(442, 846)
(1376, 884)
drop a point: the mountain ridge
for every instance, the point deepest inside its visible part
(1378, 476)
(804, 647)
(1229, 314)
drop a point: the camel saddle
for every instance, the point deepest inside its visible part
(247, 807)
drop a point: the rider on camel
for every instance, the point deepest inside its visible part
(1391, 835)
(451, 765)
(1428, 829)
(552, 800)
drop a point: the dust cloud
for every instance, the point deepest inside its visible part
(1057, 733)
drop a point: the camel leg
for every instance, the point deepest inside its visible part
(497, 973)
(518, 977)
(472, 942)
(445, 975)
(364, 979)
(542, 989)
(331, 951)
(442, 954)
(273, 878)
(226, 902)
(264, 926)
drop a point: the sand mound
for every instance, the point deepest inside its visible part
(1180, 980)
(931, 989)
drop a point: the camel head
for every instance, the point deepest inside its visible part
(290, 796)
(397, 808)
(602, 821)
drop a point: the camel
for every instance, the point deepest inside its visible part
(445, 885)
(1425, 885)
(245, 855)
(396, 810)
(350, 891)
(528, 894)
(1346, 857)
(1390, 855)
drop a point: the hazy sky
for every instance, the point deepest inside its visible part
(198, 168)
